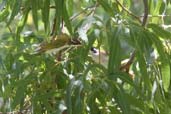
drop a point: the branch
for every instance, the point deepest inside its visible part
(128, 11)
(145, 12)
(127, 65)
(89, 7)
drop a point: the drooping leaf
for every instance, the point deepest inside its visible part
(22, 22)
(160, 31)
(70, 6)
(159, 46)
(67, 20)
(45, 13)
(15, 10)
(163, 8)
(34, 5)
(106, 7)
(165, 70)
(4, 14)
(114, 48)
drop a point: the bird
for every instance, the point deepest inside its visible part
(99, 56)
(102, 57)
(58, 42)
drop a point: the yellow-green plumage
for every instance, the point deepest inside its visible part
(57, 42)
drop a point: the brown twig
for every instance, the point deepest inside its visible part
(145, 17)
(9, 28)
(125, 67)
(128, 11)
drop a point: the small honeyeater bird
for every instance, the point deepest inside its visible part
(57, 42)
(102, 58)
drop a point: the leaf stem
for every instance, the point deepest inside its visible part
(128, 11)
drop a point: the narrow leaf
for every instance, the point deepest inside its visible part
(45, 14)
(106, 7)
(34, 5)
(160, 31)
(22, 22)
(66, 20)
(4, 14)
(19, 95)
(114, 48)
(165, 69)
(15, 10)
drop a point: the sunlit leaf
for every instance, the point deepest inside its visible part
(4, 14)
(165, 69)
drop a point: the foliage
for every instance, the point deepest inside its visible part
(65, 79)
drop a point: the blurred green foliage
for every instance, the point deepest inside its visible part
(67, 80)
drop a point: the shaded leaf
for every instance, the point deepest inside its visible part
(106, 7)
(34, 4)
(45, 14)
(15, 10)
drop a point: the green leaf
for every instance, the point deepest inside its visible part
(45, 14)
(22, 22)
(165, 70)
(137, 39)
(159, 46)
(58, 15)
(123, 76)
(160, 31)
(4, 14)
(67, 20)
(136, 104)
(157, 7)
(70, 6)
(114, 48)
(19, 94)
(121, 98)
(34, 4)
(106, 7)
(162, 8)
(15, 10)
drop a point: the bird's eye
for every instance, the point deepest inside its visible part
(94, 50)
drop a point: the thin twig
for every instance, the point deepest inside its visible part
(128, 64)
(93, 9)
(128, 11)
(89, 7)
(9, 28)
(144, 21)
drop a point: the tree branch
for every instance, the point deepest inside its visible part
(144, 21)
(128, 11)
(89, 7)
